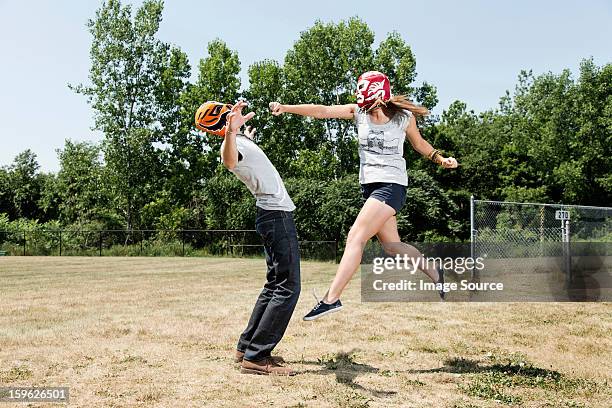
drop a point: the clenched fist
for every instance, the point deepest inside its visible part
(276, 108)
(449, 163)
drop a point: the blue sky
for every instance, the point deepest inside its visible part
(471, 50)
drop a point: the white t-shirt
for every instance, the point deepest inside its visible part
(260, 176)
(381, 149)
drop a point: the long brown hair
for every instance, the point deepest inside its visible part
(399, 102)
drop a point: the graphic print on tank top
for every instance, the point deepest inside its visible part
(379, 142)
(381, 149)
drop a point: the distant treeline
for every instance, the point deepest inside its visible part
(550, 140)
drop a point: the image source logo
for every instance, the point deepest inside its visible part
(401, 272)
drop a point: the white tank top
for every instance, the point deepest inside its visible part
(381, 149)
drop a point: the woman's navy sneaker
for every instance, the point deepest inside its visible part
(322, 308)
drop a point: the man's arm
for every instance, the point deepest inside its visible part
(235, 120)
(229, 150)
(316, 111)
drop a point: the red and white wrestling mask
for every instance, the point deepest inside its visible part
(371, 86)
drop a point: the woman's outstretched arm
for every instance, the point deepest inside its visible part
(316, 111)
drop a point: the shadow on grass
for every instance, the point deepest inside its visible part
(489, 379)
(492, 381)
(346, 370)
(460, 365)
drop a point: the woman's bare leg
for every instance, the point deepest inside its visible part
(373, 215)
(390, 240)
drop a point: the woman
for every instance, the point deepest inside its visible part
(383, 122)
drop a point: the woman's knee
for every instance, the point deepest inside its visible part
(356, 238)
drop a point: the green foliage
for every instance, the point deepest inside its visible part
(322, 68)
(395, 58)
(229, 205)
(24, 185)
(338, 361)
(26, 192)
(325, 211)
(6, 193)
(342, 201)
(429, 213)
(136, 81)
(40, 237)
(218, 73)
(80, 187)
(49, 201)
(195, 155)
(548, 141)
(319, 165)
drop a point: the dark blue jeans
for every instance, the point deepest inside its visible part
(280, 293)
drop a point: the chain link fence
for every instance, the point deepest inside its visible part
(149, 243)
(510, 230)
(544, 251)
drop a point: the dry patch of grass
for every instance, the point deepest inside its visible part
(146, 332)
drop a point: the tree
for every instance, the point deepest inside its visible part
(6, 194)
(322, 68)
(133, 76)
(26, 185)
(550, 141)
(50, 199)
(82, 192)
(561, 127)
(218, 80)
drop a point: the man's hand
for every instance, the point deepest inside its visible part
(276, 108)
(235, 119)
(250, 132)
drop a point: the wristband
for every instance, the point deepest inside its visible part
(435, 156)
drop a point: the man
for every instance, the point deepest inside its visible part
(274, 223)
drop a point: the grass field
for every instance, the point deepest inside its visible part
(127, 332)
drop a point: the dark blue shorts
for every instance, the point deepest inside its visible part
(392, 194)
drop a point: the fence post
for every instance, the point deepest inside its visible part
(230, 249)
(472, 226)
(568, 260)
(183, 241)
(565, 238)
(336, 251)
(100, 242)
(60, 242)
(24, 243)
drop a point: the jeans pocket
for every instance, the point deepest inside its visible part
(289, 227)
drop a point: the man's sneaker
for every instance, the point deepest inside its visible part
(264, 367)
(239, 356)
(322, 308)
